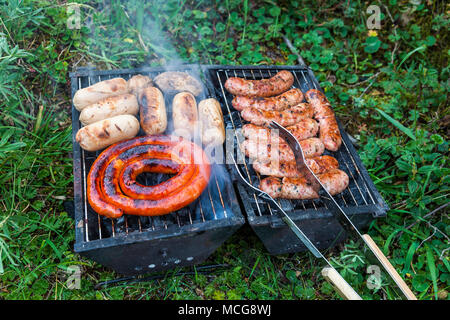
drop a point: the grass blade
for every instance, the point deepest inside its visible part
(397, 124)
(432, 267)
(411, 53)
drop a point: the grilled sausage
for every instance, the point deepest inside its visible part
(302, 130)
(103, 89)
(318, 165)
(185, 114)
(286, 117)
(138, 165)
(109, 107)
(273, 152)
(335, 181)
(171, 82)
(103, 133)
(137, 83)
(211, 122)
(329, 130)
(119, 165)
(285, 100)
(288, 188)
(279, 83)
(152, 111)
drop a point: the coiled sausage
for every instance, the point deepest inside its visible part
(112, 189)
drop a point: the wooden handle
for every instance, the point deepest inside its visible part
(388, 266)
(340, 285)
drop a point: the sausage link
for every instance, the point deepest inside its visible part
(329, 129)
(288, 188)
(302, 130)
(185, 114)
(286, 117)
(131, 188)
(318, 165)
(285, 100)
(152, 111)
(273, 152)
(335, 181)
(279, 83)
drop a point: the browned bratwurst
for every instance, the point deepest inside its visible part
(335, 181)
(279, 83)
(318, 165)
(288, 188)
(302, 130)
(267, 152)
(285, 100)
(329, 130)
(152, 111)
(285, 118)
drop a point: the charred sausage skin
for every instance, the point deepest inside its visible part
(273, 86)
(273, 152)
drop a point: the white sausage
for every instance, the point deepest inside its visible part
(185, 114)
(103, 133)
(137, 83)
(103, 89)
(109, 107)
(211, 122)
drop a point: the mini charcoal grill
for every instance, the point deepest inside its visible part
(134, 245)
(137, 245)
(361, 200)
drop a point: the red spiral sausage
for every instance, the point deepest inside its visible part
(111, 183)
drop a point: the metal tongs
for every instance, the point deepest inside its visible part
(339, 213)
(328, 272)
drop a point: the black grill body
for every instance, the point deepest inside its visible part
(137, 245)
(361, 201)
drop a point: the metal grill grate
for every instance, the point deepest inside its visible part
(360, 195)
(214, 203)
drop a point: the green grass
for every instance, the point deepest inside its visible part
(389, 88)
